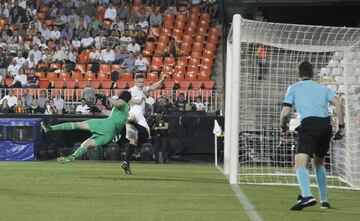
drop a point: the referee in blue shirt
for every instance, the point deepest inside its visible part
(311, 101)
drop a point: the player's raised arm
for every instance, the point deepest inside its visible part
(157, 84)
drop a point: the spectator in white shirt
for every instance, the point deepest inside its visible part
(141, 63)
(133, 47)
(12, 100)
(107, 55)
(46, 57)
(13, 68)
(143, 24)
(20, 60)
(198, 105)
(119, 25)
(73, 18)
(20, 80)
(156, 19)
(94, 56)
(110, 13)
(36, 52)
(45, 32)
(59, 102)
(31, 61)
(100, 39)
(55, 33)
(82, 108)
(42, 43)
(87, 41)
(59, 55)
(76, 43)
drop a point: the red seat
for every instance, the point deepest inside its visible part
(77, 76)
(169, 84)
(194, 61)
(210, 47)
(127, 76)
(199, 38)
(214, 31)
(83, 58)
(156, 63)
(153, 76)
(180, 69)
(192, 69)
(80, 67)
(82, 84)
(190, 31)
(208, 54)
(70, 84)
(165, 31)
(103, 76)
(181, 17)
(116, 67)
(207, 62)
(209, 84)
(198, 46)
(185, 48)
(96, 83)
(205, 68)
(43, 65)
(121, 84)
(44, 84)
(89, 76)
(205, 17)
(182, 61)
(59, 84)
(105, 68)
(51, 76)
(154, 31)
(163, 39)
(196, 54)
(203, 76)
(190, 76)
(213, 39)
(106, 84)
(64, 76)
(55, 66)
(41, 75)
(196, 85)
(178, 76)
(169, 61)
(193, 18)
(184, 85)
(194, 10)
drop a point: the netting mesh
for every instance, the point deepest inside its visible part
(270, 55)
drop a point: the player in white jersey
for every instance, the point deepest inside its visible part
(137, 129)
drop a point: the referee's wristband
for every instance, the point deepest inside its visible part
(341, 126)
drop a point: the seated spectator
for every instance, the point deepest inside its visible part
(20, 107)
(50, 107)
(89, 94)
(110, 13)
(129, 63)
(27, 98)
(180, 103)
(123, 12)
(120, 54)
(3, 64)
(32, 63)
(31, 31)
(87, 41)
(59, 102)
(46, 57)
(160, 106)
(133, 47)
(141, 63)
(5, 108)
(20, 80)
(59, 55)
(41, 100)
(34, 108)
(198, 105)
(76, 42)
(99, 105)
(107, 55)
(67, 32)
(82, 108)
(120, 26)
(33, 80)
(143, 24)
(36, 53)
(99, 40)
(11, 99)
(13, 68)
(55, 34)
(156, 19)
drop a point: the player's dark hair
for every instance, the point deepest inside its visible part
(306, 70)
(139, 75)
(126, 96)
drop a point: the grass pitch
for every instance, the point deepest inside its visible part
(101, 191)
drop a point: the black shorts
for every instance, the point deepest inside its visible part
(314, 136)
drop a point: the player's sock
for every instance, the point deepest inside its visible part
(321, 180)
(79, 152)
(129, 151)
(64, 126)
(304, 181)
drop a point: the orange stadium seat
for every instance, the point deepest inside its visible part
(180, 69)
(106, 84)
(169, 17)
(184, 85)
(207, 62)
(181, 17)
(194, 61)
(169, 61)
(196, 85)
(59, 84)
(193, 68)
(64, 76)
(82, 84)
(214, 31)
(167, 69)
(127, 76)
(203, 76)
(165, 31)
(208, 54)
(156, 63)
(178, 76)
(77, 76)
(96, 83)
(70, 84)
(182, 61)
(51, 76)
(103, 76)
(201, 30)
(205, 68)
(164, 39)
(43, 65)
(154, 31)
(198, 46)
(205, 17)
(187, 38)
(41, 75)
(116, 67)
(180, 25)
(105, 68)
(210, 47)
(185, 48)
(194, 10)
(209, 84)
(191, 76)
(80, 67)
(152, 76)
(190, 31)
(196, 54)
(83, 58)
(120, 84)
(44, 84)
(213, 39)
(90, 76)
(169, 84)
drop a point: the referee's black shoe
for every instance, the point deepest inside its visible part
(325, 205)
(303, 202)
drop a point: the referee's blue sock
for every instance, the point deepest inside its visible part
(304, 181)
(321, 180)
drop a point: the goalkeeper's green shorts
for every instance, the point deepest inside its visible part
(103, 131)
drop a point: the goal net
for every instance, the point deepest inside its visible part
(262, 61)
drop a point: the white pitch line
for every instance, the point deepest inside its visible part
(249, 208)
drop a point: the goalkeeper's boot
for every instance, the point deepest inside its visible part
(303, 202)
(68, 159)
(126, 167)
(325, 205)
(46, 128)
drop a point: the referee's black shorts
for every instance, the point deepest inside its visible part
(314, 136)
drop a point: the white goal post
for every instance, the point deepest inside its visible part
(261, 62)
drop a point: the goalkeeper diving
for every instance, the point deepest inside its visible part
(103, 130)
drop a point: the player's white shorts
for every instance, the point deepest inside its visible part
(131, 131)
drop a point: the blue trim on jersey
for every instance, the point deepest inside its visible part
(309, 98)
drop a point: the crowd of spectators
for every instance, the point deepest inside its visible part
(35, 34)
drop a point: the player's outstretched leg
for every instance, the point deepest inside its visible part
(89, 143)
(60, 127)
